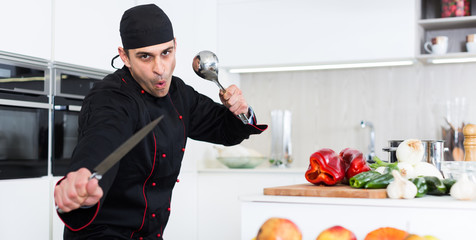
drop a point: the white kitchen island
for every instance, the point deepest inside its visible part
(442, 217)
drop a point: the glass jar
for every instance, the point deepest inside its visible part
(455, 8)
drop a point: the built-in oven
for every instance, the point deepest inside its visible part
(25, 108)
(23, 74)
(71, 84)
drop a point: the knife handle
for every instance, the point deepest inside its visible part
(59, 210)
(95, 175)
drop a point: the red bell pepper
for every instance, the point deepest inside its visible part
(325, 167)
(354, 161)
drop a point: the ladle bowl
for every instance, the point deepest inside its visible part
(205, 65)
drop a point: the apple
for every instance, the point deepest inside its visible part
(414, 237)
(336, 233)
(429, 237)
(279, 228)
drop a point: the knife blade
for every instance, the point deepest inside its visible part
(122, 150)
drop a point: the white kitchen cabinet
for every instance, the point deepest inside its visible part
(24, 208)
(86, 32)
(442, 217)
(26, 27)
(218, 196)
(280, 32)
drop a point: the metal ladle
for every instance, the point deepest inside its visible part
(205, 65)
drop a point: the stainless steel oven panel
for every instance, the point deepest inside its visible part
(90, 75)
(17, 60)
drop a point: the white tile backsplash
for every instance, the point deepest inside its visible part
(327, 106)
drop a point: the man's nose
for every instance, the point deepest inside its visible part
(159, 66)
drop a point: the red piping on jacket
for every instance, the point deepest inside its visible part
(143, 189)
(124, 80)
(87, 224)
(254, 125)
(257, 127)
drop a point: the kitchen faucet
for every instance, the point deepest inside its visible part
(371, 154)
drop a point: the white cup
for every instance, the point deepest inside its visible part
(471, 43)
(437, 45)
(471, 47)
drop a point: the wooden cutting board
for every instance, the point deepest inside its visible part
(310, 190)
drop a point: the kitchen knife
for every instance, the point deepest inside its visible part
(122, 150)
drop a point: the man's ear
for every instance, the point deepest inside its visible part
(124, 57)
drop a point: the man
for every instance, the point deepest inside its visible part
(132, 200)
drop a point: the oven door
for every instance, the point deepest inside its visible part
(65, 133)
(23, 139)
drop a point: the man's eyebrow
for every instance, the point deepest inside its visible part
(149, 53)
(143, 53)
(168, 49)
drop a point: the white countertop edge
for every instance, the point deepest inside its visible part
(440, 202)
(253, 170)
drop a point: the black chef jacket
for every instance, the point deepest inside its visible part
(138, 190)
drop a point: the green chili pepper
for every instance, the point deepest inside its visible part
(392, 166)
(435, 186)
(422, 187)
(388, 166)
(359, 180)
(448, 182)
(381, 181)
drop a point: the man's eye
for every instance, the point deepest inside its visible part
(165, 53)
(145, 56)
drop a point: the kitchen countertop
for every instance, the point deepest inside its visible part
(446, 202)
(253, 170)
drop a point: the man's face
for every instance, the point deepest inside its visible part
(152, 66)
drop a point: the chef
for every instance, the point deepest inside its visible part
(133, 199)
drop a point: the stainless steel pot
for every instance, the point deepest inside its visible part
(434, 151)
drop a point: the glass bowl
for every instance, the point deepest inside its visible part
(454, 169)
(241, 162)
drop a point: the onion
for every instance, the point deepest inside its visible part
(407, 170)
(410, 150)
(427, 169)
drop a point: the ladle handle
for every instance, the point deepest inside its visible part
(241, 116)
(220, 86)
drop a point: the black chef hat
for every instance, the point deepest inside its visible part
(145, 25)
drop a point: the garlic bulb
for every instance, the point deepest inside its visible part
(463, 189)
(401, 187)
(410, 150)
